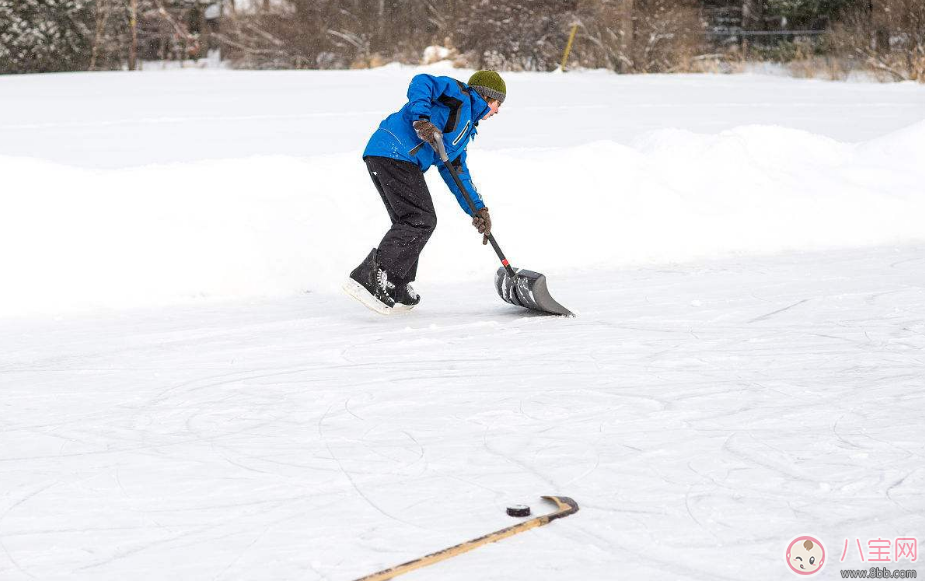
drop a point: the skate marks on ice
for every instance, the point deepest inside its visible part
(772, 313)
(689, 410)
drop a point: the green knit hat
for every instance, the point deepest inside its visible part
(489, 85)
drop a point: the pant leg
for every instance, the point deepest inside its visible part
(385, 200)
(411, 210)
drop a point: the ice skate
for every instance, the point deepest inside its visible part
(370, 285)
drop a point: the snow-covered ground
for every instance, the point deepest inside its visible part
(139, 190)
(746, 255)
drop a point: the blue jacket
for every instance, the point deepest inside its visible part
(450, 105)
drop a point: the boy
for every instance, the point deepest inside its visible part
(397, 155)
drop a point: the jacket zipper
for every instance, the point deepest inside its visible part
(461, 133)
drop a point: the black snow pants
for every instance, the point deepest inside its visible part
(411, 209)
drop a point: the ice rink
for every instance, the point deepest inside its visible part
(184, 395)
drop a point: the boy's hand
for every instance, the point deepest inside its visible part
(425, 130)
(482, 223)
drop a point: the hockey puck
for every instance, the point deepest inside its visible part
(518, 510)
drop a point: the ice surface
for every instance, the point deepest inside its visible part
(702, 415)
(745, 255)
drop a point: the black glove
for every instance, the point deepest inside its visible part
(425, 130)
(482, 222)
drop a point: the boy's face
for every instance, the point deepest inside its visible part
(493, 106)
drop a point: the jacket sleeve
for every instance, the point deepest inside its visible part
(460, 165)
(422, 92)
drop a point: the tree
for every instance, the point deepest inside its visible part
(888, 36)
(804, 14)
(752, 15)
(45, 35)
(526, 35)
(639, 36)
(72, 35)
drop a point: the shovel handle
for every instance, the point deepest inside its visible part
(441, 151)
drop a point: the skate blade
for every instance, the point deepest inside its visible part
(359, 292)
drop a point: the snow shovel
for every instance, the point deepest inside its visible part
(520, 287)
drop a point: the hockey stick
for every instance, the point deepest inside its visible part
(564, 507)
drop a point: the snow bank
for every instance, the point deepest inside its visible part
(263, 226)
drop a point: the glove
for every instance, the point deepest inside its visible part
(482, 222)
(425, 130)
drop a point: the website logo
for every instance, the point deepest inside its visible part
(805, 555)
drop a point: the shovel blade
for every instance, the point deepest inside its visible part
(528, 289)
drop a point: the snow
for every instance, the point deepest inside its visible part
(184, 393)
(434, 54)
(252, 216)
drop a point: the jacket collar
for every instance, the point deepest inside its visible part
(480, 106)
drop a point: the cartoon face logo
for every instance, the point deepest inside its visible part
(805, 555)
